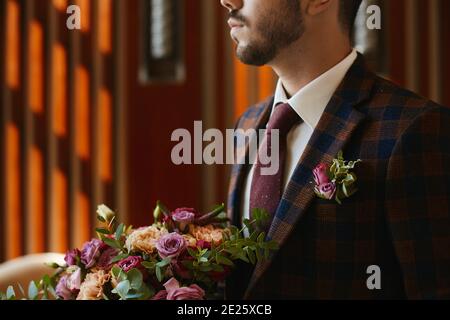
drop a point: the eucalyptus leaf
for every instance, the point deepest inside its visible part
(32, 291)
(135, 277)
(122, 289)
(10, 293)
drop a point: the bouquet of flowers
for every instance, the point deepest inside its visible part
(183, 255)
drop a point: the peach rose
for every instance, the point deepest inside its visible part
(144, 239)
(92, 287)
(207, 233)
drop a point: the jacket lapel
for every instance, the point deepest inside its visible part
(254, 119)
(335, 128)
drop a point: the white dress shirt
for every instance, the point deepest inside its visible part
(310, 103)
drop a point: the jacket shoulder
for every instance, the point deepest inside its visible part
(391, 102)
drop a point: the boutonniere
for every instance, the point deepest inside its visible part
(336, 181)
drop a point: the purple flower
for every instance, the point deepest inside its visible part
(183, 215)
(72, 256)
(105, 260)
(62, 290)
(129, 263)
(321, 174)
(69, 285)
(73, 282)
(170, 245)
(175, 292)
(327, 190)
(91, 252)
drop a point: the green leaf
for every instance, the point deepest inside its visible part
(159, 274)
(122, 289)
(133, 296)
(149, 265)
(102, 231)
(116, 271)
(251, 256)
(261, 237)
(163, 208)
(163, 263)
(224, 260)
(32, 291)
(47, 281)
(10, 293)
(136, 279)
(119, 231)
(2, 296)
(192, 252)
(217, 268)
(112, 243)
(119, 257)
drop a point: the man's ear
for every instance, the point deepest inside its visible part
(315, 7)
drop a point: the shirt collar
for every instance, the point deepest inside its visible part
(310, 102)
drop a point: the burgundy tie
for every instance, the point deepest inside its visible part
(267, 190)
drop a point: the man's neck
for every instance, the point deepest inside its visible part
(297, 66)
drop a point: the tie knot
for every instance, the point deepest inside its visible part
(284, 118)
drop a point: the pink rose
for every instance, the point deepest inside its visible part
(184, 215)
(327, 190)
(321, 174)
(161, 295)
(171, 245)
(174, 292)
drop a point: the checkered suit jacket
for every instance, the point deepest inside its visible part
(399, 219)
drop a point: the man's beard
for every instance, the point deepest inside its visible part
(275, 32)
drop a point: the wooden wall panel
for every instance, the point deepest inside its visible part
(58, 111)
(2, 124)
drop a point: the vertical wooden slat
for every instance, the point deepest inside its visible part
(445, 40)
(105, 134)
(82, 114)
(36, 124)
(12, 44)
(397, 30)
(412, 56)
(120, 190)
(423, 46)
(2, 127)
(241, 78)
(59, 76)
(35, 62)
(13, 219)
(59, 223)
(14, 120)
(36, 217)
(81, 161)
(58, 130)
(435, 55)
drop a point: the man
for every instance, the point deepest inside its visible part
(389, 240)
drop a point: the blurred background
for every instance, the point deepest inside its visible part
(87, 115)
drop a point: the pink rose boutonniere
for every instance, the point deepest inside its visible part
(335, 182)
